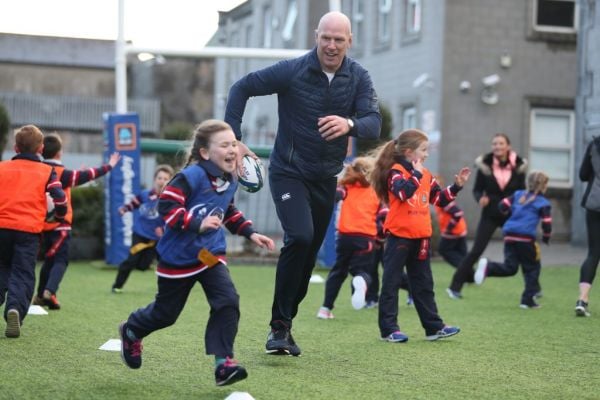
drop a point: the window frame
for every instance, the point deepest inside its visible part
(409, 21)
(408, 111)
(568, 147)
(554, 28)
(289, 26)
(235, 65)
(358, 23)
(383, 37)
(248, 32)
(267, 31)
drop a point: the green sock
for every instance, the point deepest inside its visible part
(219, 360)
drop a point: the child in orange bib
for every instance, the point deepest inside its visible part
(356, 236)
(400, 180)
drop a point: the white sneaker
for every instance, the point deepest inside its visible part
(325, 313)
(481, 271)
(360, 291)
(453, 294)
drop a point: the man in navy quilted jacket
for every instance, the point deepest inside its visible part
(323, 98)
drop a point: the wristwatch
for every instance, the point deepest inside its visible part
(350, 123)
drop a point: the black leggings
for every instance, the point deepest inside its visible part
(485, 230)
(590, 265)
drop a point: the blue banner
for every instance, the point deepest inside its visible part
(121, 134)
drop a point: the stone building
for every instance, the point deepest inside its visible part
(461, 70)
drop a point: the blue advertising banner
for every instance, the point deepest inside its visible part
(121, 134)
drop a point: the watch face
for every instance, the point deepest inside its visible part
(350, 123)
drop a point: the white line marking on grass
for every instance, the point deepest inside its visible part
(36, 310)
(239, 396)
(111, 345)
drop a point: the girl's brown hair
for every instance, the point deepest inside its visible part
(537, 182)
(201, 137)
(387, 154)
(358, 171)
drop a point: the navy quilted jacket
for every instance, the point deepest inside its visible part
(304, 95)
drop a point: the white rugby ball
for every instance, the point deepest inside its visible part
(251, 175)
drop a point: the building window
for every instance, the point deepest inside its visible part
(413, 17)
(555, 16)
(267, 27)
(235, 64)
(358, 22)
(287, 33)
(384, 25)
(409, 117)
(248, 44)
(551, 144)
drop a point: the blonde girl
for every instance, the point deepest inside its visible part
(527, 208)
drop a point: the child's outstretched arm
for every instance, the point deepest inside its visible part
(262, 241)
(442, 197)
(463, 176)
(237, 224)
(136, 202)
(72, 178)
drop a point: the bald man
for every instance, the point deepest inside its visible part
(323, 98)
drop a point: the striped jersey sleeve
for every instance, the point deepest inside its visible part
(54, 189)
(546, 218)
(72, 178)
(236, 223)
(455, 215)
(403, 187)
(171, 205)
(505, 205)
(441, 197)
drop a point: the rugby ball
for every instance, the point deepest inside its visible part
(251, 175)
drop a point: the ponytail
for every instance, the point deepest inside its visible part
(383, 162)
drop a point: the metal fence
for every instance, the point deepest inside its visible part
(73, 112)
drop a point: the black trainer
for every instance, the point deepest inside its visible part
(229, 372)
(278, 341)
(581, 309)
(50, 300)
(294, 349)
(131, 350)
